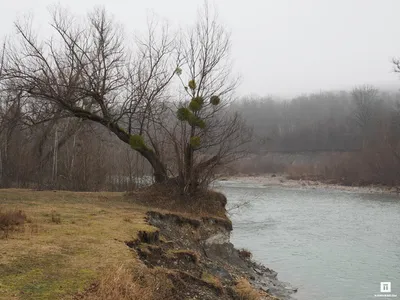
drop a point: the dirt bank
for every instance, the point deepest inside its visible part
(203, 263)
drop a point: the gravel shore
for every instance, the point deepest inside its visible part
(283, 181)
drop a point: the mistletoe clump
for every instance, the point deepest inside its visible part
(192, 85)
(196, 121)
(199, 100)
(136, 142)
(178, 71)
(196, 104)
(183, 114)
(195, 141)
(201, 124)
(215, 100)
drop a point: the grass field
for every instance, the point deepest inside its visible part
(68, 242)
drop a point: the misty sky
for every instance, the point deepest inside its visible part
(280, 47)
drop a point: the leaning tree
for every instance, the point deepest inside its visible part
(85, 70)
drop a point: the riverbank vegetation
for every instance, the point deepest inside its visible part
(349, 138)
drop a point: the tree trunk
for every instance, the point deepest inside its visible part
(188, 168)
(160, 171)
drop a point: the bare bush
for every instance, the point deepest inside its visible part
(11, 220)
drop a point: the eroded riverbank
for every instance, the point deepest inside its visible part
(204, 260)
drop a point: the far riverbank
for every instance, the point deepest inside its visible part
(283, 181)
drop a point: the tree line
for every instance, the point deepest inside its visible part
(86, 108)
(359, 128)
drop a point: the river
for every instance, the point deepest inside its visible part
(330, 244)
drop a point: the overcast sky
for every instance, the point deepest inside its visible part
(280, 47)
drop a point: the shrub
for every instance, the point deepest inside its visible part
(55, 217)
(245, 254)
(11, 220)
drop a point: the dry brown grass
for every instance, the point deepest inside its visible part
(132, 282)
(245, 291)
(56, 260)
(206, 203)
(213, 280)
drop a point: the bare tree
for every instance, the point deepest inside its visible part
(365, 99)
(208, 133)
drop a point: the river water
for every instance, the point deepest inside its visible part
(330, 244)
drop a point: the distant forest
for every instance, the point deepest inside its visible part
(358, 131)
(327, 121)
(361, 129)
